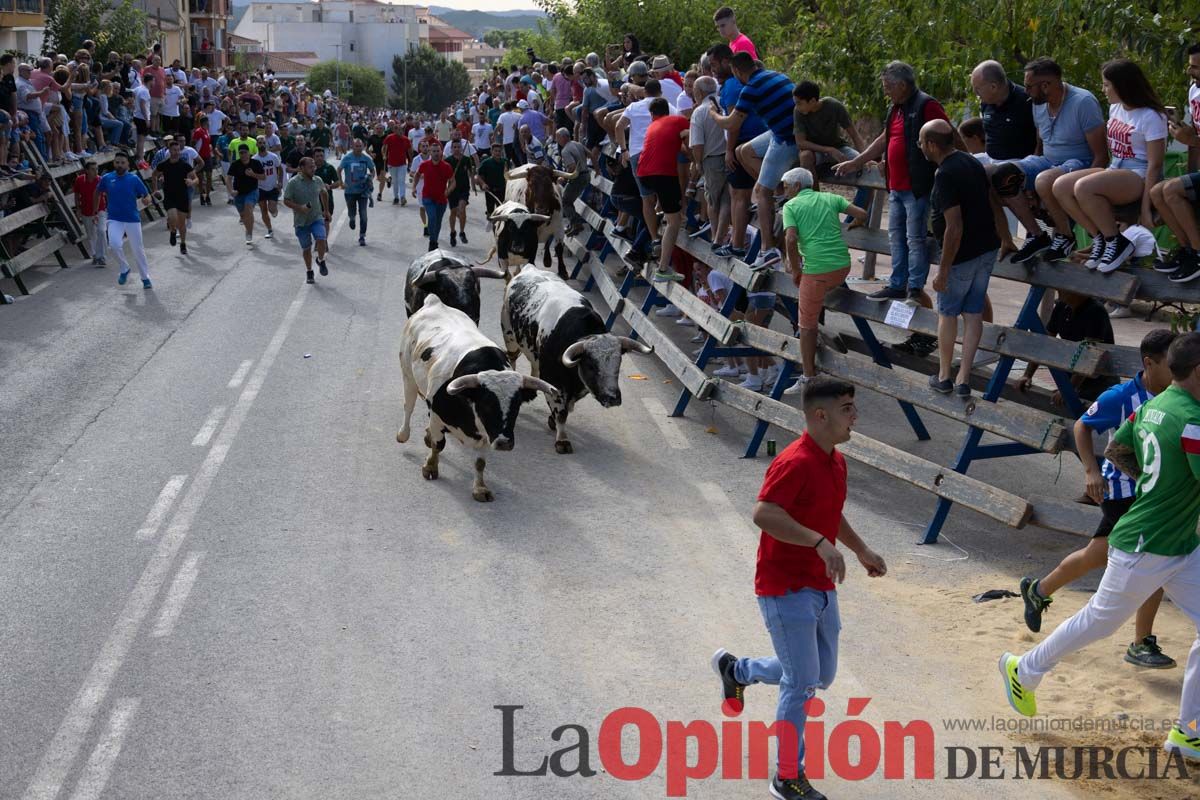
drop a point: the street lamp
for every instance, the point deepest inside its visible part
(337, 71)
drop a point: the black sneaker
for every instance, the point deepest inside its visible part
(962, 390)
(453, 238)
(1032, 248)
(183, 248)
(1097, 252)
(424, 232)
(797, 788)
(1189, 268)
(362, 241)
(1061, 249)
(1148, 654)
(463, 237)
(1035, 604)
(1170, 263)
(915, 295)
(941, 387)
(888, 293)
(352, 223)
(310, 278)
(395, 201)
(174, 237)
(732, 701)
(1117, 251)
(324, 269)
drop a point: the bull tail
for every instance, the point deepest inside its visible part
(488, 258)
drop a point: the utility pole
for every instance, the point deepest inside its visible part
(337, 71)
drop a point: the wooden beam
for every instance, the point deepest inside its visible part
(11, 222)
(1060, 515)
(1119, 287)
(721, 328)
(31, 257)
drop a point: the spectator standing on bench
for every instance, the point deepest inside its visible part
(824, 131)
(800, 514)
(657, 174)
(574, 158)
(1114, 492)
(740, 181)
(1178, 198)
(707, 141)
(125, 195)
(727, 26)
(92, 210)
(1076, 318)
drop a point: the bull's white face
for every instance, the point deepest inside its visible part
(599, 368)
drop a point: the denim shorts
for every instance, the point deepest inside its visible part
(1191, 186)
(966, 290)
(246, 199)
(643, 189)
(1138, 165)
(1032, 166)
(777, 158)
(313, 230)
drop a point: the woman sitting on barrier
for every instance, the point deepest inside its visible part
(817, 255)
(1137, 137)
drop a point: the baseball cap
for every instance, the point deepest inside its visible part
(522, 104)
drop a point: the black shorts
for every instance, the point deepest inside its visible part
(173, 201)
(455, 198)
(267, 195)
(666, 187)
(142, 126)
(595, 134)
(740, 179)
(1112, 510)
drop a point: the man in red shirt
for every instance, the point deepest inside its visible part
(91, 210)
(658, 171)
(202, 141)
(799, 510)
(437, 180)
(155, 80)
(395, 152)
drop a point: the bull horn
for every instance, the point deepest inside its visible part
(427, 278)
(628, 344)
(462, 384)
(558, 173)
(507, 175)
(538, 384)
(571, 355)
(487, 272)
(538, 218)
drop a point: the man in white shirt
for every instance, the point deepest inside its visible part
(141, 118)
(508, 122)
(482, 131)
(216, 117)
(270, 186)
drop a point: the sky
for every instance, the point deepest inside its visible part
(486, 5)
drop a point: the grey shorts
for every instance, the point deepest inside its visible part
(716, 181)
(825, 158)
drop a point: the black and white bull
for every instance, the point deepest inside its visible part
(454, 280)
(566, 343)
(531, 215)
(467, 384)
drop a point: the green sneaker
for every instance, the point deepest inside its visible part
(1020, 698)
(1148, 654)
(1035, 604)
(1188, 746)
(661, 276)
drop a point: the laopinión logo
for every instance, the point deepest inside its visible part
(739, 750)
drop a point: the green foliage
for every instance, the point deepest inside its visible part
(361, 86)
(70, 22)
(433, 81)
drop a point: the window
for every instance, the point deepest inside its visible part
(352, 47)
(352, 19)
(6, 5)
(29, 6)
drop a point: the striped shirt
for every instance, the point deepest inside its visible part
(769, 94)
(1106, 414)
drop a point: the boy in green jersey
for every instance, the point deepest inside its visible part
(1153, 545)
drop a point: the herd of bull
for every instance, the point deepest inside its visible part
(469, 384)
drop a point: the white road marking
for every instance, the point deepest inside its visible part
(64, 748)
(177, 595)
(100, 764)
(209, 427)
(669, 427)
(239, 376)
(158, 512)
(731, 520)
(39, 287)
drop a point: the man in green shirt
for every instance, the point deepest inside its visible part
(1153, 545)
(328, 173)
(306, 196)
(817, 255)
(321, 136)
(490, 177)
(243, 138)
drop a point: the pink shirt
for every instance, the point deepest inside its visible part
(742, 44)
(561, 86)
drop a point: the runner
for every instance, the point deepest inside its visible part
(308, 199)
(1153, 546)
(91, 210)
(328, 174)
(356, 171)
(177, 177)
(799, 510)
(464, 167)
(242, 182)
(202, 141)
(1114, 492)
(436, 179)
(490, 178)
(375, 150)
(396, 147)
(418, 184)
(269, 187)
(125, 195)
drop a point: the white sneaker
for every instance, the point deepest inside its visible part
(1117, 311)
(189, 223)
(685, 322)
(766, 259)
(249, 240)
(726, 372)
(668, 311)
(752, 382)
(698, 338)
(270, 234)
(771, 375)
(797, 387)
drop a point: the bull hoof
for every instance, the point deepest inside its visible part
(401, 436)
(429, 473)
(553, 425)
(563, 448)
(483, 495)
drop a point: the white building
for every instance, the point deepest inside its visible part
(364, 32)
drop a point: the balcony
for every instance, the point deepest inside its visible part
(207, 8)
(21, 7)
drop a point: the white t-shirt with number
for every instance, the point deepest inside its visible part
(1130, 129)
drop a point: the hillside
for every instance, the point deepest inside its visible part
(478, 23)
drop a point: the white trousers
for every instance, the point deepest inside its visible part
(1128, 581)
(399, 178)
(96, 229)
(117, 231)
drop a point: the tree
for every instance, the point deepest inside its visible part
(121, 29)
(433, 82)
(361, 86)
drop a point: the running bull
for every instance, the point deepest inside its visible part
(465, 380)
(530, 215)
(454, 280)
(566, 343)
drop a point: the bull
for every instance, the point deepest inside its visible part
(466, 383)
(566, 343)
(531, 215)
(454, 280)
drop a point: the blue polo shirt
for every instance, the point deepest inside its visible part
(123, 192)
(752, 125)
(1106, 414)
(769, 94)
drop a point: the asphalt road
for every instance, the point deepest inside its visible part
(221, 577)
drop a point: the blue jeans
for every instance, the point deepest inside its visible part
(804, 629)
(908, 221)
(434, 213)
(357, 204)
(114, 131)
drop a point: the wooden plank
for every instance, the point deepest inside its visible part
(867, 240)
(1154, 286)
(598, 223)
(739, 271)
(602, 183)
(34, 255)
(1084, 359)
(11, 222)
(1119, 287)
(942, 481)
(722, 329)
(1061, 515)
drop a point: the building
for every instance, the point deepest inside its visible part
(168, 24)
(479, 58)
(364, 32)
(210, 47)
(22, 25)
(448, 40)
